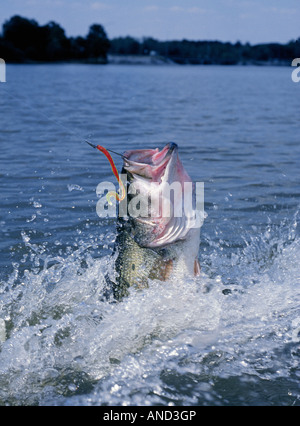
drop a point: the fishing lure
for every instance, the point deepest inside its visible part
(112, 194)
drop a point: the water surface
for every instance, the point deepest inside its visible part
(237, 342)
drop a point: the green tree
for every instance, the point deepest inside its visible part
(125, 46)
(23, 34)
(97, 42)
(57, 45)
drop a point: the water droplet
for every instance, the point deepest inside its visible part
(72, 387)
(75, 188)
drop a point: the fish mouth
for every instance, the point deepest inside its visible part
(150, 163)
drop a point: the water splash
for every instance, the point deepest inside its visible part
(72, 188)
(182, 343)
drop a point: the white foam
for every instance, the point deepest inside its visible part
(64, 337)
(2, 331)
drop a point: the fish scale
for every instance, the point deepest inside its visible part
(167, 247)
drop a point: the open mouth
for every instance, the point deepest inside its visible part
(149, 163)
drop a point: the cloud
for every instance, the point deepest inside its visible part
(177, 9)
(197, 10)
(284, 10)
(191, 10)
(151, 8)
(47, 2)
(100, 6)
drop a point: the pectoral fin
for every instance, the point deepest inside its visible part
(197, 268)
(162, 271)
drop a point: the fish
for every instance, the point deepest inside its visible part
(150, 244)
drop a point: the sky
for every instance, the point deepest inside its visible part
(253, 21)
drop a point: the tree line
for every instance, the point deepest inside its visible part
(208, 52)
(24, 40)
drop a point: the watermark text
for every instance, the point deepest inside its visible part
(2, 71)
(296, 72)
(154, 201)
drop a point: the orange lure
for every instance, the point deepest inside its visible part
(115, 172)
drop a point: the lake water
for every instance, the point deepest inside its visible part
(238, 343)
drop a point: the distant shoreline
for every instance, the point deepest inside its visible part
(161, 60)
(146, 60)
(23, 40)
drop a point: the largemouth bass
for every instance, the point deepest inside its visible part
(159, 238)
